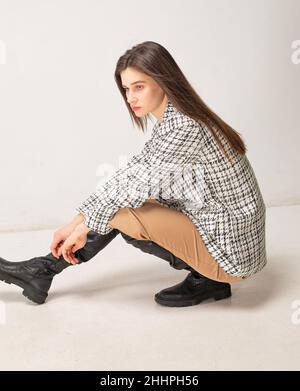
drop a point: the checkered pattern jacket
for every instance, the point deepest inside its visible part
(182, 167)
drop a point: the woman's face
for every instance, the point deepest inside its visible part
(143, 91)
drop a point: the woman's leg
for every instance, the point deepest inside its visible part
(171, 235)
(35, 275)
(173, 231)
(150, 247)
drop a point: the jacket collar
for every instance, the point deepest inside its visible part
(169, 111)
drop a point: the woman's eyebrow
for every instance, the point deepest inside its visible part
(139, 81)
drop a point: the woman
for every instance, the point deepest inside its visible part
(189, 197)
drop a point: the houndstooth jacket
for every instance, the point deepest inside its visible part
(183, 168)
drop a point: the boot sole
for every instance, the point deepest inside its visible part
(224, 294)
(30, 292)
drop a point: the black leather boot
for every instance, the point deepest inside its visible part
(35, 275)
(192, 290)
(150, 247)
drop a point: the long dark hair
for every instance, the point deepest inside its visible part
(155, 61)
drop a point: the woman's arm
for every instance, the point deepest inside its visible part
(78, 219)
(133, 185)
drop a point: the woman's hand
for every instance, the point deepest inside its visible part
(62, 234)
(76, 240)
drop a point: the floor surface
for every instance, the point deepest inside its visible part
(102, 315)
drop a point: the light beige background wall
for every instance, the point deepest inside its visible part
(62, 117)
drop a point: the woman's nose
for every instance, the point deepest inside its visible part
(130, 98)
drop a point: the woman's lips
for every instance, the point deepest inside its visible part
(136, 108)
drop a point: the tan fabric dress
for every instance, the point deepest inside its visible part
(173, 231)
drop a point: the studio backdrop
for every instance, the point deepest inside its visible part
(64, 126)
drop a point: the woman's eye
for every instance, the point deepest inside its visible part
(126, 89)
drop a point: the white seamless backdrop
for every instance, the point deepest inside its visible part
(62, 119)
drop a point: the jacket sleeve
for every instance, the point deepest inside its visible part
(143, 176)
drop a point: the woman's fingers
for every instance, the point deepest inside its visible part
(59, 249)
(65, 254)
(53, 249)
(55, 244)
(73, 243)
(68, 256)
(71, 256)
